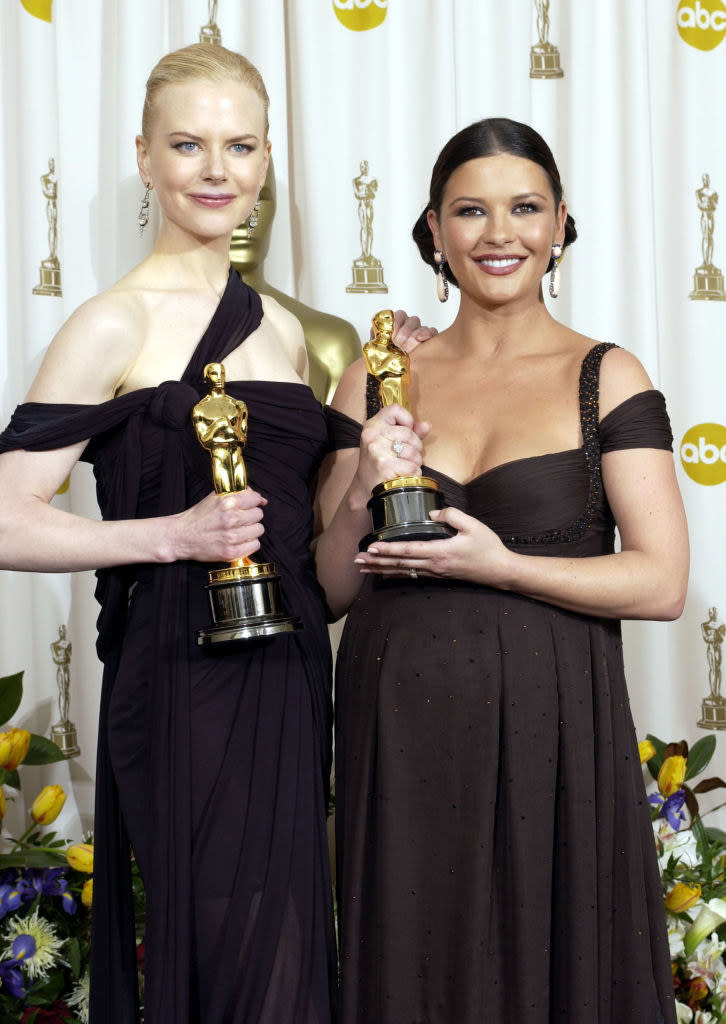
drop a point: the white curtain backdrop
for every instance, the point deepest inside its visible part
(633, 123)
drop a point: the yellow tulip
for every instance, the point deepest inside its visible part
(646, 750)
(48, 804)
(80, 857)
(13, 748)
(672, 774)
(682, 897)
(87, 894)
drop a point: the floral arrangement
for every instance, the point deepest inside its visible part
(692, 860)
(45, 892)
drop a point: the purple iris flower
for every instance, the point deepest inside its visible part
(12, 979)
(10, 899)
(24, 947)
(670, 808)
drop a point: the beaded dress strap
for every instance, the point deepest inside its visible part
(589, 422)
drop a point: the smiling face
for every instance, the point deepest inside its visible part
(497, 225)
(206, 156)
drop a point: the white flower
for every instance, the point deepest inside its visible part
(676, 930)
(684, 1013)
(681, 845)
(704, 1017)
(78, 998)
(44, 950)
(710, 916)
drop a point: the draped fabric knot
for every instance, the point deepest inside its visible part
(171, 404)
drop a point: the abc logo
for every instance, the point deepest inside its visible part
(703, 453)
(701, 23)
(360, 15)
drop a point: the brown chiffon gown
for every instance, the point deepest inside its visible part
(496, 862)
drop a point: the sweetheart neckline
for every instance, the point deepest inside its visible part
(431, 471)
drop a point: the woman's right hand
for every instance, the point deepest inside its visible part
(219, 528)
(379, 460)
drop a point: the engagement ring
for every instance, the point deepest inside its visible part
(397, 447)
(413, 574)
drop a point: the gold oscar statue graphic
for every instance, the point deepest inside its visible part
(400, 507)
(210, 33)
(707, 279)
(367, 270)
(50, 271)
(713, 707)
(63, 733)
(544, 57)
(244, 596)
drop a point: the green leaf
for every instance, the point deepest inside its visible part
(42, 751)
(11, 779)
(656, 762)
(37, 858)
(11, 693)
(716, 835)
(702, 844)
(73, 953)
(699, 755)
(44, 993)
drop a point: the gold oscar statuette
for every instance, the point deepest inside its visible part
(244, 596)
(63, 733)
(544, 57)
(713, 707)
(210, 33)
(400, 507)
(707, 279)
(367, 270)
(50, 269)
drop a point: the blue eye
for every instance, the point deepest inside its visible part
(241, 147)
(186, 147)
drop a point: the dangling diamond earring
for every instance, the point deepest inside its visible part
(555, 272)
(442, 285)
(253, 219)
(144, 211)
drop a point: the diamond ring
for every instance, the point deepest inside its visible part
(413, 574)
(397, 447)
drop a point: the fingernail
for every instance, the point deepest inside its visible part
(359, 561)
(372, 551)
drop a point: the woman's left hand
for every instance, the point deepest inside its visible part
(408, 331)
(474, 554)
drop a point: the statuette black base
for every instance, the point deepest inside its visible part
(400, 511)
(245, 602)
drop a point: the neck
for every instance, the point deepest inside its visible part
(190, 262)
(509, 329)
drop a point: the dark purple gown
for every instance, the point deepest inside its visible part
(214, 765)
(496, 859)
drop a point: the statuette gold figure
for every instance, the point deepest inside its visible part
(50, 271)
(244, 596)
(708, 281)
(544, 57)
(367, 270)
(63, 733)
(210, 33)
(713, 707)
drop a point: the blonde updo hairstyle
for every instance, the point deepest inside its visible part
(201, 62)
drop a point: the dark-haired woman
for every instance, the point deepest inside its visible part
(496, 859)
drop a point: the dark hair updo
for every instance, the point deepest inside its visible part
(490, 137)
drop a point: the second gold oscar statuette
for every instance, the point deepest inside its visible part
(244, 596)
(399, 507)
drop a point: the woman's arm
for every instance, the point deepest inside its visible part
(346, 480)
(84, 364)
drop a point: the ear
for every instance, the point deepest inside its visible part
(433, 223)
(142, 159)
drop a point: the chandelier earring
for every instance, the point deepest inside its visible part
(442, 285)
(253, 218)
(555, 272)
(143, 218)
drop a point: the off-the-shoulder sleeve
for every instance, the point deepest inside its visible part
(343, 431)
(639, 422)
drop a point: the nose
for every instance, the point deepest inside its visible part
(214, 167)
(497, 227)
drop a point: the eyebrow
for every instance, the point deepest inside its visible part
(514, 199)
(197, 138)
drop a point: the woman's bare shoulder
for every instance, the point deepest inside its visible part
(92, 351)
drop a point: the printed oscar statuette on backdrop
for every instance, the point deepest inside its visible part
(210, 33)
(63, 733)
(544, 57)
(50, 269)
(400, 507)
(244, 596)
(367, 270)
(713, 707)
(707, 279)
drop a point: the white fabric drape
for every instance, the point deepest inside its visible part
(632, 124)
